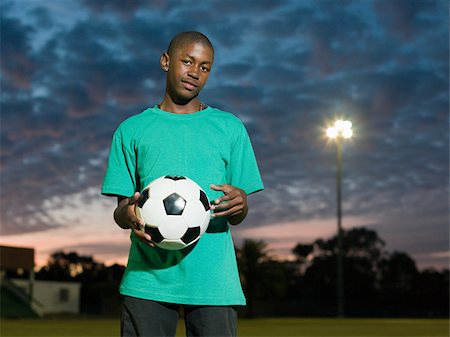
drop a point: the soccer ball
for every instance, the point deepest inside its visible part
(175, 210)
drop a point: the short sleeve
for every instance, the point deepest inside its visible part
(243, 169)
(120, 177)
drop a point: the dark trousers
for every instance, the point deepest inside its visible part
(146, 318)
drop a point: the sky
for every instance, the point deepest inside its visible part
(72, 71)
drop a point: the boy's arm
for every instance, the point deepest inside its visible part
(233, 204)
(126, 217)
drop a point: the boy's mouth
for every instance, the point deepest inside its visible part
(189, 85)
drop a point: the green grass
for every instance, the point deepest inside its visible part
(276, 327)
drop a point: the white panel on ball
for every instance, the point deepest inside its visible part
(161, 188)
(153, 213)
(187, 188)
(194, 213)
(174, 227)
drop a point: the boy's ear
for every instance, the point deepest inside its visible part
(164, 62)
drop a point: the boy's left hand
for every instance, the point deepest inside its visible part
(233, 204)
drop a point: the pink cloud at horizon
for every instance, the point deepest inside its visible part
(281, 238)
(88, 228)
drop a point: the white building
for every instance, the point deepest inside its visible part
(42, 297)
(53, 297)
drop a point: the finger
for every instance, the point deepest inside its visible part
(134, 221)
(229, 212)
(233, 197)
(149, 243)
(216, 187)
(226, 205)
(138, 220)
(134, 198)
(224, 188)
(218, 201)
(132, 209)
(144, 237)
(136, 225)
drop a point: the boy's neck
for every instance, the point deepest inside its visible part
(191, 107)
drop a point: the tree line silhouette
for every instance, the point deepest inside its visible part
(377, 282)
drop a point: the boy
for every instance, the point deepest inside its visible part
(183, 136)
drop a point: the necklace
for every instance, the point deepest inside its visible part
(200, 107)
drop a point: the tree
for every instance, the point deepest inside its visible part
(302, 251)
(70, 266)
(398, 277)
(398, 273)
(431, 292)
(376, 281)
(363, 251)
(250, 257)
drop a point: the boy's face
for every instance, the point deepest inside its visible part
(187, 70)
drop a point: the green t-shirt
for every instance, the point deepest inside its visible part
(210, 147)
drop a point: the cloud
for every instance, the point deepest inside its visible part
(115, 6)
(85, 224)
(283, 237)
(19, 66)
(286, 68)
(406, 19)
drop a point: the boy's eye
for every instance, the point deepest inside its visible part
(187, 62)
(204, 69)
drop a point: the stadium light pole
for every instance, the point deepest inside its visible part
(340, 131)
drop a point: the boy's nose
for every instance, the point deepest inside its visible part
(194, 74)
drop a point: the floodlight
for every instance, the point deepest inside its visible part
(332, 132)
(339, 125)
(347, 133)
(341, 129)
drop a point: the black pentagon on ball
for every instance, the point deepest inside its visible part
(190, 235)
(175, 177)
(143, 198)
(204, 200)
(174, 204)
(154, 233)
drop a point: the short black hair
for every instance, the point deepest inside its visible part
(182, 38)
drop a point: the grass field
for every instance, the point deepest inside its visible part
(276, 327)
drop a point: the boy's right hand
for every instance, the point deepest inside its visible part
(126, 217)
